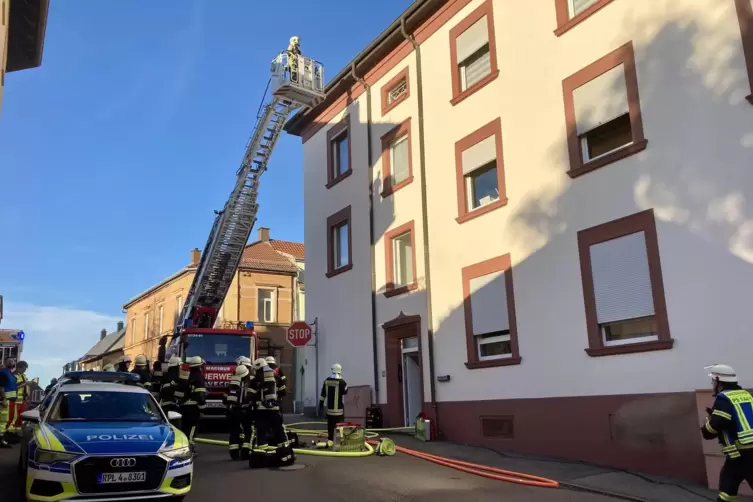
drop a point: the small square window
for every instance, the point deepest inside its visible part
(494, 345)
(397, 91)
(266, 311)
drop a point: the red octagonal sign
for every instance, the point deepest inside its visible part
(299, 334)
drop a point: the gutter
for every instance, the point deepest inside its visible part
(424, 216)
(372, 237)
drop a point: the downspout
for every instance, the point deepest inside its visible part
(372, 239)
(424, 217)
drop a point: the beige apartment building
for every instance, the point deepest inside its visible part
(22, 30)
(558, 235)
(267, 289)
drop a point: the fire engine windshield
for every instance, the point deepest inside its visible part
(218, 349)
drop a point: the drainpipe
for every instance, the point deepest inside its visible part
(372, 239)
(424, 216)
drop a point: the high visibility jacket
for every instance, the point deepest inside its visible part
(8, 380)
(265, 389)
(183, 385)
(333, 394)
(197, 389)
(282, 381)
(731, 421)
(236, 395)
(168, 387)
(21, 391)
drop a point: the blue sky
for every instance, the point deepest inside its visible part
(115, 152)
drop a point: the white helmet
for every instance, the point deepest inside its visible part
(337, 369)
(141, 360)
(174, 361)
(241, 370)
(194, 361)
(270, 360)
(260, 363)
(295, 40)
(245, 361)
(721, 373)
(125, 359)
(108, 367)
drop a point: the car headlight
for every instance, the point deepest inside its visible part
(52, 457)
(179, 453)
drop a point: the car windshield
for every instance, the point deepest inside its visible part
(218, 349)
(105, 406)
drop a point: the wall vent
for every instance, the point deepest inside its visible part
(500, 426)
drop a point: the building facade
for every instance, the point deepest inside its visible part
(530, 222)
(106, 351)
(22, 29)
(265, 290)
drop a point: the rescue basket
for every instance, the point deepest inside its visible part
(349, 437)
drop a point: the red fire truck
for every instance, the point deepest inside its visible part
(296, 81)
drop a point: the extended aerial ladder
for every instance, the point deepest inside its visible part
(296, 81)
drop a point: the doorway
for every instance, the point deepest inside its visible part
(403, 370)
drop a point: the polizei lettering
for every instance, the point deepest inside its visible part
(120, 437)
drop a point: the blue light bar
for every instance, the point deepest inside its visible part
(187, 323)
(101, 376)
(249, 324)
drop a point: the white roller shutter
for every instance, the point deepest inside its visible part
(578, 6)
(480, 154)
(621, 280)
(489, 303)
(601, 100)
(472, 39)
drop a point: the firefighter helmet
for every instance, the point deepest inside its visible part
(241, 371)
(260, 363)
(108, 367)
(125, 359)
(295, 40)
(270, 360)
(174, 361)
(337, 369)
(140, 360)
(194, 361)
(721, 373)
(243, 360)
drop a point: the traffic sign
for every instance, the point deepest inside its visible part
(299, 334)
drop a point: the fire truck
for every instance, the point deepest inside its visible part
(296, 81)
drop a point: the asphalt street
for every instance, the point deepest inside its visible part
(397, 478)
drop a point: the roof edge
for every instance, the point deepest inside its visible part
(162, 283)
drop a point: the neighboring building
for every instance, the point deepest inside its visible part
(72, 366)
(10, 345)
(539, 225)
(106, 351)
(266, 283)
(22, 29)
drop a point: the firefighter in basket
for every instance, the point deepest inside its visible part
(294, 50)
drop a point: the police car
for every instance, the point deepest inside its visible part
(98, 436)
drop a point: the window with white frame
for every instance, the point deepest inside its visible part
(398, 90)
(491, 322)
(480, 173)
(575, 7)
(266, 305)
(402, 257)
(133, 330)
(161, 319)
(473, 54)
(623, 291)
(178, 308)
(340, 157)
(341, 251)
(399, 168)
(146, 325)
(602, 115)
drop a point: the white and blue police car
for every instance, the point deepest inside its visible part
(99, 436)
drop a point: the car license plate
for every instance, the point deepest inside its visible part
(215, 404)
(121, 477)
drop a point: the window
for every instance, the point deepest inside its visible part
(622, 286)
(133, 330)
(573, 12)
(339, 241)
(480, 172)
(161, 319)
(400, 260)
(395, 91)
(489, 307)
(178, 308)
(397, 161)
(338, 153)
(146, 326)
(603, 113)
(745, 16)
(266, 307)
(472, 53)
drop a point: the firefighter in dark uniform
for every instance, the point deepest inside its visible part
(235, 402)
(158, 367)
(282, 382)
(268, 418)
(167, 397)
(334, 389)
(123, 364)
(248, 407)
(730, 421)
(141, 368)
(195, 397)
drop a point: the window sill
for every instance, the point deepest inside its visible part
(390, 292)
(390, 189)
(339, 271)
(573, 22)
(476, 87)
(481, 211)
(337, 180)
(608, 159)
(493, 363)
(630, 348)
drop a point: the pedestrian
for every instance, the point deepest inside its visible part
(334, 389)
(7, 399)
(23, 390)
(195, 400)
(729, 421)
(235, 403)
(141, 368)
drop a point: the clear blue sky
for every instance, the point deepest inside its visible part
(115, 152)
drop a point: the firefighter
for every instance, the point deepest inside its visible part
(294, 50)
(22, 392)
(268, 418)
(235, 398)
(195, 399)
(282, 383)
(729, 421)
(334, 389)
(123, 364)
(7, 398)
(168, 399)
(157, 376)
(141, 368)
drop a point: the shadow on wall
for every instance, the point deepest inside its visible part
(692, 87)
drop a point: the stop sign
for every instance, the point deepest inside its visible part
(299, 334)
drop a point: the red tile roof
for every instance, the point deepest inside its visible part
(292, 248)
(263, 256)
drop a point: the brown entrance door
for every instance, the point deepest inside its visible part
(394, 333)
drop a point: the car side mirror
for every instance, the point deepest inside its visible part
(30, 416)
(174, 416)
